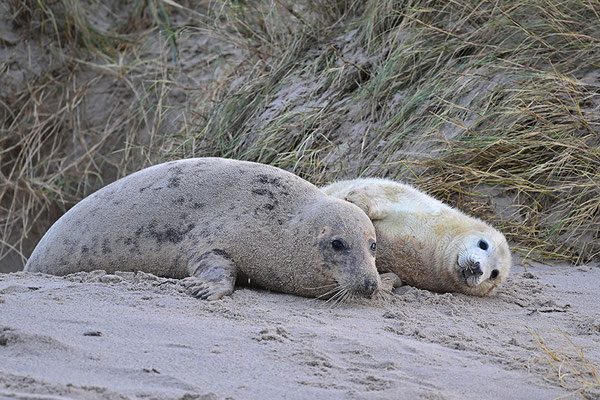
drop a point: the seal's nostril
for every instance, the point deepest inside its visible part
(369, 286)
(475, 269)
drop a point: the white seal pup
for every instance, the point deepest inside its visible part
(428, 244)
(216, 221)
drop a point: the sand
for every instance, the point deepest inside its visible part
(93, 335)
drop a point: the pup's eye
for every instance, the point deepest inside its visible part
(337, 245)
(494, 274)
(483, 245)
(373, 247)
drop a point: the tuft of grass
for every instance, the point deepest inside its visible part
(276, 38)
(96, 112)
(65, 20)
(568, 365)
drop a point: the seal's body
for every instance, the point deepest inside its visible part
(428, 244)
(214, 220)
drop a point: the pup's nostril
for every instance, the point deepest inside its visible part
(475, 269)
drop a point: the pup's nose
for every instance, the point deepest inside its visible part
(475, 269)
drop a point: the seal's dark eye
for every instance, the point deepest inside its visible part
(483, 245)
(494, 274)
(337, 245)
(373, 247)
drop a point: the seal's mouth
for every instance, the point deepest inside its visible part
(345, 293)
(357, 288)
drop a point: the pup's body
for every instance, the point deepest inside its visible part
(428, 244)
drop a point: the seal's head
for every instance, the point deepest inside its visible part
(481, 260)
(344, 248)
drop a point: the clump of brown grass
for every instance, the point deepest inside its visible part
(468, 101)
(35, 170)
(535, 135)
(276, 37)
(96, 113)
(569, 367)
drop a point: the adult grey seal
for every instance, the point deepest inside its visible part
(427, 243)
(216, 221)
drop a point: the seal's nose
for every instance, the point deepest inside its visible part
(368, 287)
(475, 269)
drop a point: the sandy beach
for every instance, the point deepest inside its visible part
(134, 336)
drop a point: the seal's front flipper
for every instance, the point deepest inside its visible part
(374, 207)
(389, 281)
(213, 275)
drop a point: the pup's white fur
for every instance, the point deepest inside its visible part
(428, 244)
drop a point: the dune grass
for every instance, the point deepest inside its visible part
(566, 362)
(462, 99)
(88, 118)
(492, 107)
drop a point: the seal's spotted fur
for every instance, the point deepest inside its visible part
(214, 221)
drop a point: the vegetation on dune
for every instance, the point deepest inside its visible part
(492, 107)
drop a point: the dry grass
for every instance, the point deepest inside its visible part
(467, 101)
(95, 113)
(493, 107)
(568, 365)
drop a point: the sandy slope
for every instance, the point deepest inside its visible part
(157, 342)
